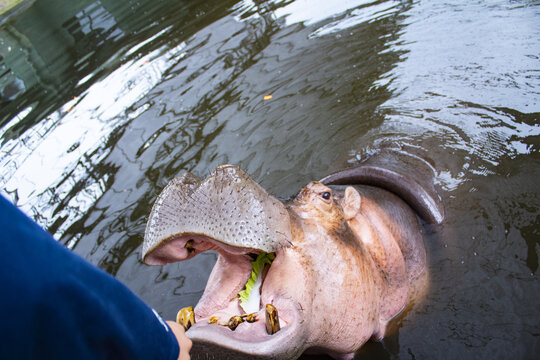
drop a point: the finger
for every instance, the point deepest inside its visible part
(183, 341)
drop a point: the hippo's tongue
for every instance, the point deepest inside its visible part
(228, 207)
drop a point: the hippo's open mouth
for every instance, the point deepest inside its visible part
(232, 215)
(219, 313)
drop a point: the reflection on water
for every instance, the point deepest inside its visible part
(103, 102)
(92, 116)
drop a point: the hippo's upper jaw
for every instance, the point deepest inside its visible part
(231, 214)
(228, 206)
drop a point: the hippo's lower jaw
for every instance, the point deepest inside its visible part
(250, 339)
(220, 301)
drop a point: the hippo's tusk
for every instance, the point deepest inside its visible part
(186, 317)
(272, 319)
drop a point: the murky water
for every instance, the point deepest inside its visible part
(103, 102)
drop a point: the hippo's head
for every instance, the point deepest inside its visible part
(230, 213)
(332, 281)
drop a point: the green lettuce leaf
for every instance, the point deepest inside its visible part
(250, 296)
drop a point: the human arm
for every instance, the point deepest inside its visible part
(56, 305)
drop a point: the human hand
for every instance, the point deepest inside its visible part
(183, 341)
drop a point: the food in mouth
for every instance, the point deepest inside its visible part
(249, 298)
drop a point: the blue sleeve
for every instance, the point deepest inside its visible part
(55, 305)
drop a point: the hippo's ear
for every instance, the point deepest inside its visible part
(408, 176)
(351, 203)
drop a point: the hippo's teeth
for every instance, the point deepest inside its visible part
(250, 318)
(186, 317)
(189, 246)
(272, 319)
(234, 322)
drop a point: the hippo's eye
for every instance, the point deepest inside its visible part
(325, 195)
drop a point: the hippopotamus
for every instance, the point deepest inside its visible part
(348, 256)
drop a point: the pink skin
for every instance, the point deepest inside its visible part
(346, 285)
(349, 271)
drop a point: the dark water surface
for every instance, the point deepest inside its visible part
(103, 102)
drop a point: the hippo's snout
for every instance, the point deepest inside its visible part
(228, 207)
